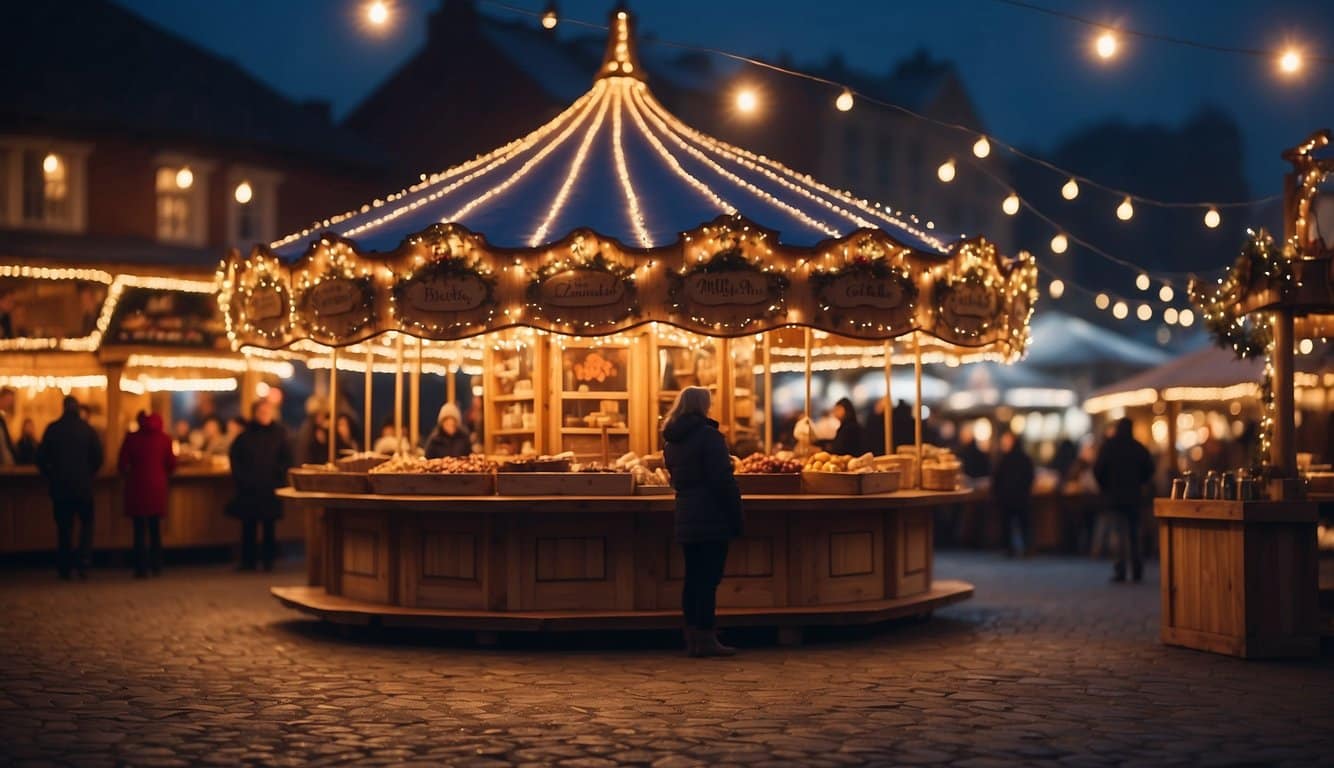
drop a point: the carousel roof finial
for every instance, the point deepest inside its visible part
(621, 58)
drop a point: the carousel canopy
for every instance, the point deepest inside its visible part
(616, 215)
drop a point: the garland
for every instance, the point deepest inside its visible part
(974, 278)
(870, 269)
(445, 269)
(728, 260)
(606, 315)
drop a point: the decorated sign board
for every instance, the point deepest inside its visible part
(726, 278)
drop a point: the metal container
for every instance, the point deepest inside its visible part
(1194, 488)
(1178, 488)
(1229, 486)
(1213, 485)
(1247, 488)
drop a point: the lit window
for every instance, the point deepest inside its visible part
(252, 206)
(181, 203)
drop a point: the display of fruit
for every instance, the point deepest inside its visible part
(361, 462)
(449, 465)
(645, 476)
(558, 463)
(762, 464)
(824, 461)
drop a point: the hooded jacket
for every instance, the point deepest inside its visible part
(146, 459)
(1123, 467)
(70, 455)
(708, 502)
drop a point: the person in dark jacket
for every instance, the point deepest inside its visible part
(1122, 469)
(1012, 490)
(69, 457)
(25, 450)
(260, 459)
(848, 439)
(449, 438)
(708, 512)
(976, 463)
(873, 434)
(146, 461)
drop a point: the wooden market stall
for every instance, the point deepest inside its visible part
(120, 343)
(585, 339)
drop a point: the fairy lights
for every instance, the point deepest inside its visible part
(572, 176)
(981, 147)
(1126, 210)
(844, 101)
(1212, 218)
(1106, 45)
(1010, 205)
(623, 172)
(946, 171)
(1070, 190)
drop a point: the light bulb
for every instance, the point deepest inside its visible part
(1059, 243)
(1305, 346)
(1125, 210)
(1290, 61)
(747, 101)
(1212, 219)
(1170, 315)
(1057, 289)
(844, 101)
(244, 193)
(185, 178)
(1102, 301)
(1106, 45)
(1145, 312)
(50, 164)
(377, 13)
(981, 147)
(550, 19)
(1186, 318)
(1142, 282)
(1071, 190)
(1166, 293)
(1010, 204)
(946, 171)
(1120, 310)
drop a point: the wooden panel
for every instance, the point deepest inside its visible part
(367, 556)
(851, 553)
(361, 551)
(750, 557)
(582, 558)
(1282, 564)
(449, 555)
(910, 548)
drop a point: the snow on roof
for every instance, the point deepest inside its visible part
(1064, 340)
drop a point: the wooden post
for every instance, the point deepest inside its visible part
(725, 393)
(1173, 464)
(917, 411)
(889, 398)
(415, 397)
(1283, 450)
(398, 393)
(810, 417)
(768, 399)
(333, 405)
(366, 415)
(115, 414)
(451, 375)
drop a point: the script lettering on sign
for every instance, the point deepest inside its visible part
(334, 297)
(868, 301)
(582, 288)
(265, 303)
(340, 306)
(718, 289)
(456, 293)
(968, 308)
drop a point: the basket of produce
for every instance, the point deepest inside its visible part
(323, 478)
(590, 480)
(558, 463)
(903, 464)
(847, 475)
(759, 474)
(941, 473)
(450, 476)
(361, 462)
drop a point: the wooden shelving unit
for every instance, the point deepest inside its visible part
(591, 387)
(515, 397)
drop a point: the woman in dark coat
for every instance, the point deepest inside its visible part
(708, 512)
(260, 459)
(146, 460)
(848, 438)
(449, 438)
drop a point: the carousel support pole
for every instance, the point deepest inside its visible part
(1173, 460)
(889, 398)
(333, 405)
(249, 380)
(768, 399)
(810, 417)
(1283, 451)
(917, 409)
(367, 433)
(452, 375)
(725, 391)
(415, 396)
(398, 393)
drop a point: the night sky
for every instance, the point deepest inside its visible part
(1031, 76)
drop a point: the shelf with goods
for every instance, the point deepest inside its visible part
(743, 415)
(514, 394)
(680, 360)
(591, 385)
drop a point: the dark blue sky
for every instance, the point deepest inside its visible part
(1030, 74)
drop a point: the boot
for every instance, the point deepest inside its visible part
(706, 644)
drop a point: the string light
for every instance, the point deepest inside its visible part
(244, 193)
(1166, 293)
(981, 147)
(185, 178)
(623, 173)
(1290, 61)
(946, 171)
(571, 176)
(1059, 243)
(1071, 190)
(1106, 45)
(1125, 210)
(1144, 312)
(51, 164)
(1305, 346)
(747, 101)
(1186, 318)
(1142, 282)
(377, 13)
(1170, 315)
(844, 101)
(1120, 310)
(549, 17)
(1212, 219)
(1102, 301)
(1010, 205)
(1056, 289)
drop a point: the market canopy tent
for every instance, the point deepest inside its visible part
(1061, 340)
(614, 215)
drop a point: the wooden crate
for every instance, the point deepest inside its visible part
(850, 483)
(1239, 577)
(433, 483)
(565, 483)
(654, 490)
(324, 481)
(761, 484)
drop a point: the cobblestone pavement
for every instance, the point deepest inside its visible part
(1047, 663)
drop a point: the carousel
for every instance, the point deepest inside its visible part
(588, 272)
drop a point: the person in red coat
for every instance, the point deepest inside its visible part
(146, 460)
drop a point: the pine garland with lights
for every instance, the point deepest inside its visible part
(732, 258)
(625, 275)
